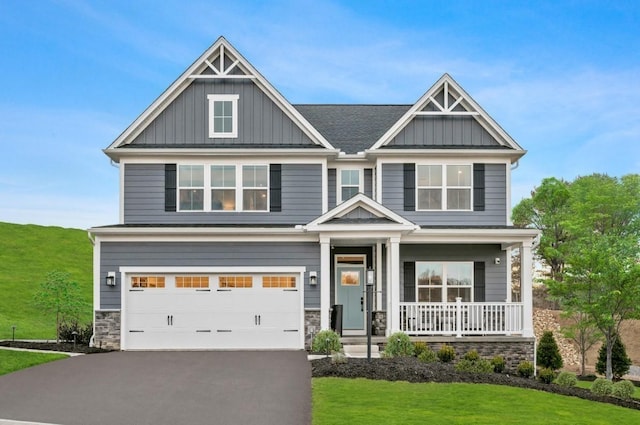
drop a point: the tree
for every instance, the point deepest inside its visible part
(620, 362)
(548, 354)
(59, 295)
(583, 333)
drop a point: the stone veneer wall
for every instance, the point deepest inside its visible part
(379, 323)
(311, 326)
(107, 330)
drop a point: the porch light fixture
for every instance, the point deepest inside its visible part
(371, 276)
(313, 278)
(110, 280)
(496, 261)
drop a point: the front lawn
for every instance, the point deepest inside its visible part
(361, 401)
(11, 361)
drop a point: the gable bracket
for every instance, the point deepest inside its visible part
(446, 109)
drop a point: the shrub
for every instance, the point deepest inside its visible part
(419, 347)
(602, 386)
(499, 365)
(546, 375)
(567, 379)
(83, 333)
(326, 341)
(474, 366)
(338, 357)
(525, 369)
(548, 354)
(623, 389)
(620, 362)
(428, 356)
(446, 353)
(399, 345)
(472, 356)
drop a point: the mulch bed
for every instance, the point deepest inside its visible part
(411, 369)
(67, 347)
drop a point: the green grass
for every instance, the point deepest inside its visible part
(359, 401)
(11, 361)
(587, 385)
(27, 254)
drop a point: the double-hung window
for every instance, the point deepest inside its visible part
(223, 187)
(223, 115)
(444, 187)
(255, 180)
(438, 281)
(349, 184)
(191, 184)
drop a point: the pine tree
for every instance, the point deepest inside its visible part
(620, 362)
(548, 354)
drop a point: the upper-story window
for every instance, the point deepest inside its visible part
(349, 184)
(444, 187)
(223, 187)
(223, 115)
(191, 183)
(255, 180)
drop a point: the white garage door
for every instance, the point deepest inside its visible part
(212, 311)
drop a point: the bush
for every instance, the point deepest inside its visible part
(499, 365)
(623, 389)
(446, 353)
(567, 379)
(472, 356)
(525, 369)
(602, 386)
(474, 366)
(399, 345)
(546, 375)
(428, 356)
(620, 362)
(338, 357)
(326, 341)
(83, 333)
(419, 347)
(548, 354)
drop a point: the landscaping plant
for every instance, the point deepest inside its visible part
(620, 362)
(399, 345)
(525, 369)
(446, 353)
(548, 354)
(567, 379)
(623, 389)
(499, 364)
(602, 386)
(419, 347)
(428, 356)
(326, 341)
(546, 375)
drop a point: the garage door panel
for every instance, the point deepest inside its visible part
(164, 340)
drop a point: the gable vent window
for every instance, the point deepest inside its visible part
(223, 115)
(443, 187)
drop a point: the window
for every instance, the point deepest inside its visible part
(147, 281)
(192, 281)
(223, 187)
(444, 187)
(278, 282)
(349, 184)
(191, 187)
(223, 115)
(255, 180)
(444, 281)
(235, 282)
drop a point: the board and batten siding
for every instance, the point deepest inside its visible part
(114, 255)
(495, 274)
(186, 120)
(144, 199)
(443, 131)
(494, 214)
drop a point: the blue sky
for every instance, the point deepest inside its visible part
(562, 78)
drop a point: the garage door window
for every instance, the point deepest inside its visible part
(192, 281)
(147, 281)
(235, 281)
(278, 282)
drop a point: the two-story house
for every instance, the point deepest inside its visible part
(244, 219)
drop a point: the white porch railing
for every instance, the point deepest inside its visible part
(461, 318)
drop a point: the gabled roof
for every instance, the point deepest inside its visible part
(456, 102)
(373, 215)
(220, 61)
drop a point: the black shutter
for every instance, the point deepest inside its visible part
(170, 186)
(409, 282)
(478, 281)
(478, 187)
(275, 187)
(409, 187)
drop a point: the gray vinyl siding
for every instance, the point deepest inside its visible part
(144, 199)
(114, 255)
(434, 131)
(495, 213)
(185, 120)
(495, 275)
(368, 182)
(332, 182)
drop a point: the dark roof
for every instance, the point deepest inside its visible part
(352, 128)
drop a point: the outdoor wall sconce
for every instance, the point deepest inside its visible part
(313, 278)
(110, 280)
(371, 276)
(496, 261)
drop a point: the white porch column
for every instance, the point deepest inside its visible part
(378, 266)
(393, 285)
(526, 288)
(325, 281)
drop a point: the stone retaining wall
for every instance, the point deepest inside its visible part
(107, 330)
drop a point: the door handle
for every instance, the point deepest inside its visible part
(172, 320)
(255, 319)
(168, 320)
(361, 303)
(259, 319)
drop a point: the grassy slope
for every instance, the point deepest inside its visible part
(361, 401)
(27, 254)
(11, 361)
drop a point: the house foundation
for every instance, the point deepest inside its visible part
(106, 329)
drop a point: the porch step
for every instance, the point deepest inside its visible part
(360, 351)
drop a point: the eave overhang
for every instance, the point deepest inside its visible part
(117, 154)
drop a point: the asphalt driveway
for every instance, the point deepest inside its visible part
(170, 387)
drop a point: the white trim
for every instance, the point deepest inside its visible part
(508, 200)
(477, 155)
(284, 156)
(508, 298)
(96, 275)
(212, 270)
(325, 187)
(325, 282)
(378, 249)
(339, 184)
(444, 187)
(393, 315)
(121, 194)
(444, 286)
(212, 99)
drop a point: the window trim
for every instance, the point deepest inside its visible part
(233, 98)
(444, 187)
(444, 287)
(339, 184)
